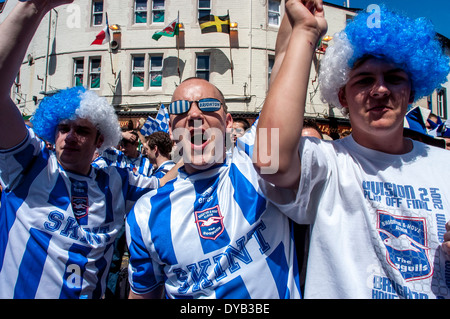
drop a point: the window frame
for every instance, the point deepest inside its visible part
(77, 73)
(95, 13)
(138, 11)
(206, 10)
(95, 73)
(441, 98)
(274, 13)
(135, 71)
(157, 70)
(159, 9)
(207, 70)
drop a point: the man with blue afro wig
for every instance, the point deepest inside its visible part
(378, 214)
(72, 103)
(409, 43)
(59, 216)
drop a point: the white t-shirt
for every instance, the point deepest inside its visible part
(57, 228)
(212, 234)
(378, 220)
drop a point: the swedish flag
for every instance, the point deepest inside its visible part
(212, 23)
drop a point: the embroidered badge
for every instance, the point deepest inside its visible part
(406, 242)
(209, 223)
(80, 200)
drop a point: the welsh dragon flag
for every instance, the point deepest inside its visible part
(171, 30)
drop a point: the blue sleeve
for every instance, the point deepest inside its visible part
(142, 273)
(18, 160)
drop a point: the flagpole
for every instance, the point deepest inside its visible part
(110, 50)
(178, 47)
(231, 56)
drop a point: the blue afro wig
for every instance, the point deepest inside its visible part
(409, 43)
(72, 103)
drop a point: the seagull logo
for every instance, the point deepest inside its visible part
(402, 242)
(406, 242)
(209, 221)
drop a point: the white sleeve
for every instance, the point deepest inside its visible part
(295, 203)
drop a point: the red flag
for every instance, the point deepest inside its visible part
(104, 36)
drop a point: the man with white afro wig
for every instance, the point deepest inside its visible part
(59, 216)
(379, 218)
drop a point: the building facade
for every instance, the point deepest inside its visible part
(137, 73)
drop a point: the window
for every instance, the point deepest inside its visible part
(269, 71)
(274, 12)
(202, 69)
(156, 67)
(97, 12)
(442, 102)
(158, 11)
(78, 72)
(138, 71)
(140, 11)
(94, 73)
(204, 8)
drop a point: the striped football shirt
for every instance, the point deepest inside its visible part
(114, 157)
(57, 228)
(212, 234)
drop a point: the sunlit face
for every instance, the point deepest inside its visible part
(150, 153)
(201, 135)
(377, 95)
(237, 131)
(75, 144)
(128, 148)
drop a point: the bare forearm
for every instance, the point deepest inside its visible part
(17, 31)
(283, 111)
(281, 120)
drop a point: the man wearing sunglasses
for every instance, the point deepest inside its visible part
(198, 122)
(210, 233)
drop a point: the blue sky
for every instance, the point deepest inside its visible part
(438, 11)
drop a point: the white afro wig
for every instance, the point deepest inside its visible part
(334, 70)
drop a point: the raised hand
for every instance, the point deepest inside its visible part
(307, 14)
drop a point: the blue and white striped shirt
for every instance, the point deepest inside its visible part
(163, 169)
(57, 228)
(114, 157)
(212, 234)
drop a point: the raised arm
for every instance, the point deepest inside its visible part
(17, 31)
(282, 115)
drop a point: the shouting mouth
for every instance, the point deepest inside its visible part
(199, 140)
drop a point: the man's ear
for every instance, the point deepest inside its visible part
(229, 122)
(342, 97)
(100, 140)
(170, 130)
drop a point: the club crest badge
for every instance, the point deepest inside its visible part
(80, 206)
(406, 244)
(80, 200)
(209, 223)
